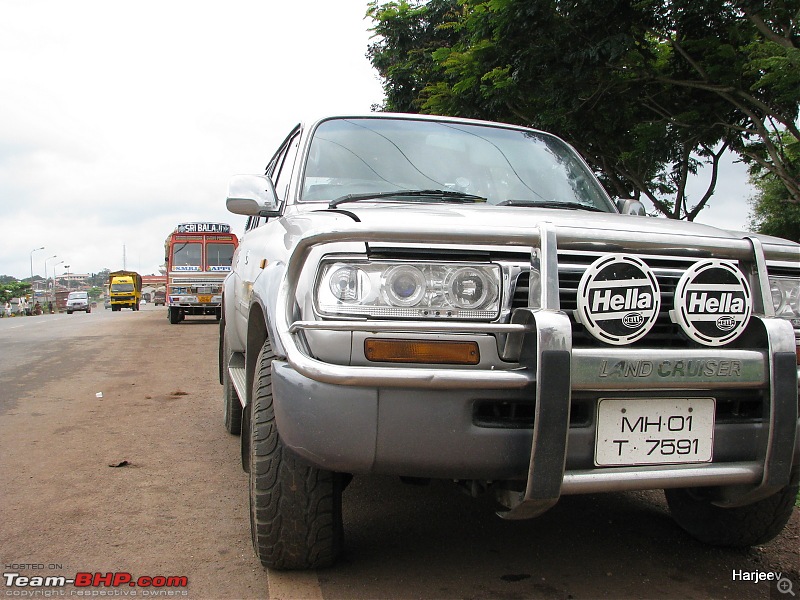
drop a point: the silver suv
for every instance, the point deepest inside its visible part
(78, 301)
(432, 297)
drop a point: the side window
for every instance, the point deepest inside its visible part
(252, 223)
(284, 167)
(279, 170)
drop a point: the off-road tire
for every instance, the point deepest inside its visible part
(295, 508)
(741, 526)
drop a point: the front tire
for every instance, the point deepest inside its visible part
(295, 508)
(739, 526)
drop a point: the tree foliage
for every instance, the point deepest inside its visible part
(11, 288)
(771, 214)
(647, 90)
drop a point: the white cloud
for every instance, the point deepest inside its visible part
(728, 208)
(118, 121)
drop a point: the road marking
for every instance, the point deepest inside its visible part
(293, 585)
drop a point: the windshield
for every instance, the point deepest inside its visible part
(366, 156)
(187, 256)
(121, 287)
(77, 296)
(219, 255)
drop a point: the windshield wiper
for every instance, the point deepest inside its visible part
(551, 204)
(447, 195)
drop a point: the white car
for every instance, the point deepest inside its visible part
(78, 301)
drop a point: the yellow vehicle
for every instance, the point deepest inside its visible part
(125, 289)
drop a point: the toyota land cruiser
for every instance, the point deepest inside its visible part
(432, 297)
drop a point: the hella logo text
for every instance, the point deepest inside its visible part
(703, 302)
(632, 320)
(605, 300)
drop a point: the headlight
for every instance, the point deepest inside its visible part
(348, 284)
(467, 287)
(786, 298)
(403, 285)
(387, 289)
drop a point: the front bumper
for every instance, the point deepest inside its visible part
(420, 421)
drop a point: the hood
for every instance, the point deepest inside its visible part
(452, 216)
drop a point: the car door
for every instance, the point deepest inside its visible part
(253, 252)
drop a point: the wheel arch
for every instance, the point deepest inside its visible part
(256, 335)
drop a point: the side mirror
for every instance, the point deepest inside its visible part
(629, 206)
(252, 195)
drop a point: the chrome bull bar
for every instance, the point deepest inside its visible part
(542, 337)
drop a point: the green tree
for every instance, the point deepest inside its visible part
(11, 288)
(99, 279)
(408, 35)
(647, 91)
(771, 213)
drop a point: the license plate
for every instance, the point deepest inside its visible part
(654, 431)
(204, 299)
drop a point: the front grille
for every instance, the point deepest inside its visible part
(196, 281)
(519, 414)
(732, 407)
(571, 266)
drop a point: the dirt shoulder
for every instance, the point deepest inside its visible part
(177, 505)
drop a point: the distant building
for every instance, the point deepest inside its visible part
(73, 280)
(154, 281)
(152, 284)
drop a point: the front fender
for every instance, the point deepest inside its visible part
(265, 295)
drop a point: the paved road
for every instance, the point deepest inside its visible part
(178, 508)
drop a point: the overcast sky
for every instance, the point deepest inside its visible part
(120, 120)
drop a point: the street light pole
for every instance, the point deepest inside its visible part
(32, 251)
(54, 287)
(45, 273)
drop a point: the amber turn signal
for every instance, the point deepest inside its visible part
(422, 351)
